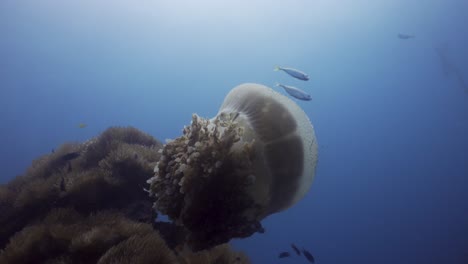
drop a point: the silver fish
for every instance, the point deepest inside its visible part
(405, 36)
(294, 73)
(295, 92)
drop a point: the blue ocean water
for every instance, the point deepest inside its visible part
(392, 178)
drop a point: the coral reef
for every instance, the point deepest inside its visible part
(256, 157)
(86, 203)
(219, 254)
(66, 236)
(107, 172)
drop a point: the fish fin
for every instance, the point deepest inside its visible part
(277, 68)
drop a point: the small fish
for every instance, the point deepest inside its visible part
(294, 73)
(295, 92)
(284, 255)
(405, 36)
(308, 256)
(82, 125)
(298, 252)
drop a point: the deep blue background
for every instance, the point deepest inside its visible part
(392, 179)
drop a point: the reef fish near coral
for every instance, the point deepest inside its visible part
(284, 254)
(294, 73)
(295, 92)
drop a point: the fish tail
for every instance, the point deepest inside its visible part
(277, 68)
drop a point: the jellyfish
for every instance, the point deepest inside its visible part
(224, 175)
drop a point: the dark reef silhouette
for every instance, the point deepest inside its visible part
(86, 203)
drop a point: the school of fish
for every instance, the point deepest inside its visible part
(303, 252)
(291, 90)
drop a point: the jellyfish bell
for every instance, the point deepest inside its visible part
(285, 143)
(256, 157)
